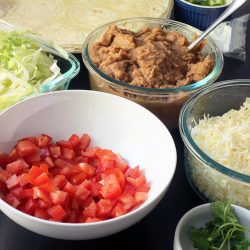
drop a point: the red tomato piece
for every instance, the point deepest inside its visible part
(73, 216)
(133, 172)
(84, 142)
(78, 178)
(56, 212)
(74, 139)
(49, 161)
(141, 180)
(12, 181)
(17, 192)
(96, 188)
(82, 192)
(17, 166)
(38, 193)
(34, 173)
(91, 152)
(58, 197)
(32, 139)
(55, 151)
(60, 181)
(90, 220)
(88, 169)
(13, 154)
(26, 193)
(90, 211)
(144, 188)
(61, 163)
(43, 204)
(48, 186)
(43, 141)
(22, 179)
(127, 200)
(68, 153)
(26, 148)
(121, 163)
(4, 159)
(30, 205)
(12, 200)
(64, 144)
(111, 188)
(140, 197)
(41, 179)
(118, 210)
(3, 188)
(104, 208)
(71, 189)
(40, 213)
(119, 175)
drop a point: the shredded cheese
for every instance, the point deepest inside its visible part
(226, 138)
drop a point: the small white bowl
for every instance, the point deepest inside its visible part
(198, 217)
(113, 123)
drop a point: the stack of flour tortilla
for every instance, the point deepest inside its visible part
(68, 22)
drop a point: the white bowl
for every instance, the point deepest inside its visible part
(198, 217)
(112, 122)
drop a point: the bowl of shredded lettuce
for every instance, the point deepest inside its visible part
(28, 67)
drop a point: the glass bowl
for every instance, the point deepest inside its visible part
(164, 103)
(211, 180)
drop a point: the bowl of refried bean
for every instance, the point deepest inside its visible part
(147, 61)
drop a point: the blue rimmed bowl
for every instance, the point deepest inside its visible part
(164, 103)
(209, 179)
(196, 15)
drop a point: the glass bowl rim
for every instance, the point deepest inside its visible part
(214, 74)
(191, 144)
(63, 78)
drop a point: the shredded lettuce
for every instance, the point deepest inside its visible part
(24, 67)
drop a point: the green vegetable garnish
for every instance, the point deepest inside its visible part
(208, 2)
(24, 67)
(223, 232)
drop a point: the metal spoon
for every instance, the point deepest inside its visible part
(232, 7)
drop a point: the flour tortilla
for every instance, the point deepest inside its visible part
(68, 22)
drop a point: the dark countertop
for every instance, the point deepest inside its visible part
(156, 231)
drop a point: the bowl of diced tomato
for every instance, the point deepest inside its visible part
(82, 164)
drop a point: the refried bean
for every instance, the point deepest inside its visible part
(150, 58)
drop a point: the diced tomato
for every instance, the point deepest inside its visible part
(68, 153)
(40, 213)
(96, 188)
(82, 192)
(90, 220)
(34, 173)
(140, 197)
(66, 181)
(91, 210)
(133, 172)
(111, 188)
(26, 193)
(141, 180)
(58, 197)
(104, 208)
(88, 169)
(64, 144)
(17, 192)
(30, 205)
(60, 181)
(38, 193)
(17, 166)
(43, 141)
(127, 200)
(55, 151)
(4, 159)
(41, 179)
(49, 161)
(74, 139)
(84, 142)
(12, 181)
(91, 152)
(118, 210)
(12, 200)
(78, 178)
(56, 212)
(26, 148)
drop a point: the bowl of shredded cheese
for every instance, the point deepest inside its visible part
(215, 127)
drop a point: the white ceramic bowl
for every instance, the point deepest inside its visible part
(198, 217)
(112, 122)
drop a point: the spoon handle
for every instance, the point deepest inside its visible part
(232, 7)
